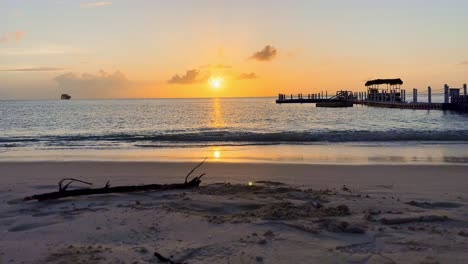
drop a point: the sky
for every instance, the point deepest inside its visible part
(204, 48)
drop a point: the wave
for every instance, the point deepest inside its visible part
(238, 138)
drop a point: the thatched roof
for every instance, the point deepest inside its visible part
(384, 81)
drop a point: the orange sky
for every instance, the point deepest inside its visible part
(148, 49)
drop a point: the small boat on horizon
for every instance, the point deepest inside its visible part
(65, 97)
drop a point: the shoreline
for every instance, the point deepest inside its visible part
(332, 154)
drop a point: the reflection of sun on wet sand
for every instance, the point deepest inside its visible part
(216, 154)
(358, 214)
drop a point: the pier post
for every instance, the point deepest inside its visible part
(446, 94)
(464, 89)
(322, 94)
(415, 95)
(326, 94)
(429, 96)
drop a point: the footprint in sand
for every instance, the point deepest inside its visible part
(435, 205)
(29, 226)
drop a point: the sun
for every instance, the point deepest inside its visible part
(215, 82)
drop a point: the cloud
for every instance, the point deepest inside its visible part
(464, 62)
(33, 69)
(41, 49)
(266, 54)
(247, 76)
(217, 66)
(95, 4)
(12, 37)
(92, 85)
(191, 76)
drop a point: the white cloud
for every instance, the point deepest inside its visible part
(190, 77)
(38, 50)
(95, 4)
(12, 37)
(32, 69)
(90, 85)
(266, 54)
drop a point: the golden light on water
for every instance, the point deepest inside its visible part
(217, 154)
(250, 183)
(217, 119)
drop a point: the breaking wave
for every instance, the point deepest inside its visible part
(236, 138)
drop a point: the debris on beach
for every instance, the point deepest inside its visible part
(64, 193)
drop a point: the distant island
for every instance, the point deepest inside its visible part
(65, 97)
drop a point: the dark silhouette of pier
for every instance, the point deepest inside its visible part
(391, 96)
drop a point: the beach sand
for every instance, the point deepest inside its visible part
(241, 213)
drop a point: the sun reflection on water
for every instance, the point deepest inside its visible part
(217, 119)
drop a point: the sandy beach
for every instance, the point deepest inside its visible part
(241, 213)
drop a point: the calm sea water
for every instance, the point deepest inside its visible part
(214, 122)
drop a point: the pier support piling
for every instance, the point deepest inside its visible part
(415, 95)
(446, 94)
(464, 89)
(429, 96)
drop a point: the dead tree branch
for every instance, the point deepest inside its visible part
(196, 167)
(63, 192)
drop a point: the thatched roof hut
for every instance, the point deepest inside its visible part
(384, 81)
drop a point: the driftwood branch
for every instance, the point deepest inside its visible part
(164, 259)
(63, 192)
(71, 180)
(196, 167)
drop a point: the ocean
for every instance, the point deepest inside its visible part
(258, 128)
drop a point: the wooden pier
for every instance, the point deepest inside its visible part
(391, 97)
(301, 99)
(403, 105)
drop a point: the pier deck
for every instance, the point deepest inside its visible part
(403, 105)
(301, 101)
(455, 99)
(458, 103)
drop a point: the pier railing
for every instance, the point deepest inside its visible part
(454, 99)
